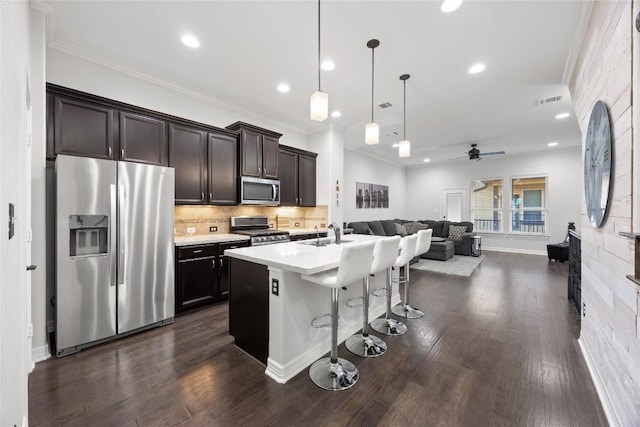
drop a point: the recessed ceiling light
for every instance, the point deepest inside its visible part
(562, 116)
(427, 160)
(328, 65)
(190, 41)
(477, 68)
(396, 145)
(283, 87)
(336, 114)
(552, 144)
(450, 5)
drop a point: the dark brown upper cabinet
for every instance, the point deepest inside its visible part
(188, 155)
(297, 177)
(223, 169)
(82, 129)
(143, 139)
(257, 150)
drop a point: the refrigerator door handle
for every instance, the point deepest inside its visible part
(122, 229)
(113, 241)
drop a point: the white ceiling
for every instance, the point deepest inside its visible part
(248, 47)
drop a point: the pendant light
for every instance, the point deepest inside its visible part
(404, 149)
(319, 99)
(372, 130)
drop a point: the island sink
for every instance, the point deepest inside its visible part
(323, 242)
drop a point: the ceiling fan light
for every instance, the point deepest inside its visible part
(450, 5)
(319, 106)
(404, 148)
(372, 134)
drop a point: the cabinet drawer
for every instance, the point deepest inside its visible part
(232, 245)
(186, 252)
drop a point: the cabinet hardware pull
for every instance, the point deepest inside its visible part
(122, 153)
(109, 151)
(220, 262)
(198, 251)
(213, 263)
(202, 196)
(210, 196)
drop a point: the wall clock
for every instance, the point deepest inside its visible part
(597, 164)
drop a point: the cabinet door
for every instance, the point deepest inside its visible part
(250, 153)
(224, 270)
(269, 157)
(196, 283)
(306, 180)
(288, 168)
(188, 155)
(223, 170)
(83, 129)
(143, 139)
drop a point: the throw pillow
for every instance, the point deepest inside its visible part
(414, 227)
(376, 227)
(456, 232)
(389, 227)
(401, 230)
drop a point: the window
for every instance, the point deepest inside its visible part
(486, 205)
(528, 213)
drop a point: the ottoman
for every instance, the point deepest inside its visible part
(441, 251)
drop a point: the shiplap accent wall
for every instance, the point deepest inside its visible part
(610, 336)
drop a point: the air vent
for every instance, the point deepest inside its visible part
(384, 105)
(548, 100)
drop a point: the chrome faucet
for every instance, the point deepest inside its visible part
(336, 231)
(317, 236)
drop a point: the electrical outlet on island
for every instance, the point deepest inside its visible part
(297, 224)
(213, 229)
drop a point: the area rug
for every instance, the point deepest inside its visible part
(459, 265)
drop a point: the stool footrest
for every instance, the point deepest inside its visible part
(315, 320)
(379, 292)
(351, 302)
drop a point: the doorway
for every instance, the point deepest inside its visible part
(455, 204)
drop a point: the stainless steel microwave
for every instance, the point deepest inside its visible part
(257, 191)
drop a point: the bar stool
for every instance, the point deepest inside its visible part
(384, 256)
(388, 325)
(423, 243)
(335, 373)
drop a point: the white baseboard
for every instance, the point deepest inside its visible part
(38, 354)
(515, 251)
(609, 411)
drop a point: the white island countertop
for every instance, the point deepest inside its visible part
(297, 256)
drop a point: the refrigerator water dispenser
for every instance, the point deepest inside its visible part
(88, 235)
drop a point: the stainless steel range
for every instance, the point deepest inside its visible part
(257, 227)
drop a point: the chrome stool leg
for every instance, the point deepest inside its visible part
(388, 325)
(333, 373)
(365, 345)
(405, 309)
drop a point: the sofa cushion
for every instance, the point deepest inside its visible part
(414, 227)
(456, 231)
(401, 230)
(389, 227)
(360, 227)
(376, 227)
(437, 227)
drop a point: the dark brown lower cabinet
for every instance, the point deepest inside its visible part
(202, 274)
(249, 308)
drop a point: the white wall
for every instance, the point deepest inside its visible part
(610, 335)
(81, 74)
(14, 188)
(361, 168)
(563, 169)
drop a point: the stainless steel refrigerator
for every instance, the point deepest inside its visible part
(114, 250)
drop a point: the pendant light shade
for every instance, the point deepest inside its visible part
(319, 100)
(372, 130)
(404, 147)
(319, 106)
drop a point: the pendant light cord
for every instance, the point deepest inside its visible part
(405, 110)
(319, 45)
(372, 76)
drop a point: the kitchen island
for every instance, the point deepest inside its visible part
(271, 306)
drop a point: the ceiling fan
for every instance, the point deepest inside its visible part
(475, 154)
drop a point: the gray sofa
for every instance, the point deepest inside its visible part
(440, 230)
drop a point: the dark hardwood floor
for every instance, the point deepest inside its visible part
(496, 349)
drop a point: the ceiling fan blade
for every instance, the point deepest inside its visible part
(492, 153)
(458, 158)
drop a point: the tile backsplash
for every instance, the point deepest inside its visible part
(283, 217)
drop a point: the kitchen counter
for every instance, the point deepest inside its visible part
(208, 238)
(280, 335)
